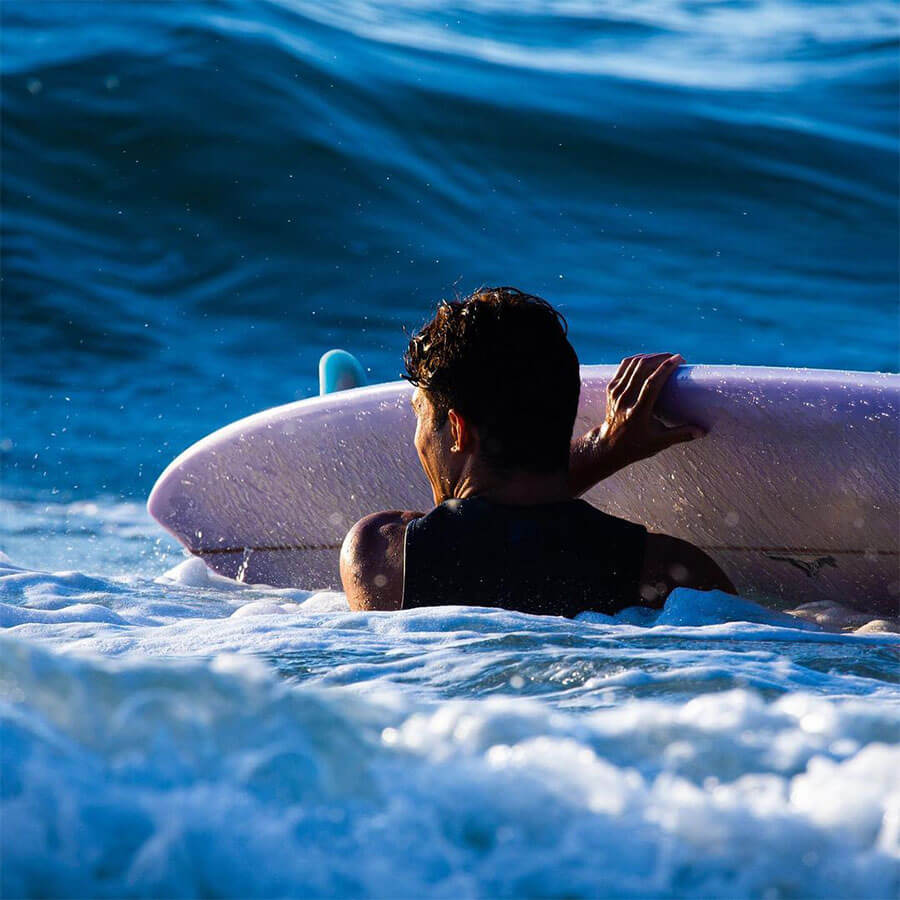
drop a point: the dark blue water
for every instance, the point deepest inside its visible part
(199, 198)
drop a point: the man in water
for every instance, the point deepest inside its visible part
(497, 385)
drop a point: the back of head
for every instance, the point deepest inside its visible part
(501, 358)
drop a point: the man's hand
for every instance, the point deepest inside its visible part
(631, 430)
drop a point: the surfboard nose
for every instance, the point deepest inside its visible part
(339, 371)
(160, 503)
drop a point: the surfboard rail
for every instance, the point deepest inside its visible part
(795, 491)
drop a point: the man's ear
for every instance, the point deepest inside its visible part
(462, 434)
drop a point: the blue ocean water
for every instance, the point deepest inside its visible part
(201, 198)
(198, 199)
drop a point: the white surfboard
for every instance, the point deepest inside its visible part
(794, 491)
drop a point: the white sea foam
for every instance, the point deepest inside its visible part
(183, 734)
(218, 778)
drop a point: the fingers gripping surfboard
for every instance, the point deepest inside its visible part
(794, 491)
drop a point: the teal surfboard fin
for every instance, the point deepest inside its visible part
(339, 371)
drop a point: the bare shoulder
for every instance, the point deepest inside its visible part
(670, 562)
(372, 560)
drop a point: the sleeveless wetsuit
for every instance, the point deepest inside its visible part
(552, 559)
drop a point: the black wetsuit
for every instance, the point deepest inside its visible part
(552, 559)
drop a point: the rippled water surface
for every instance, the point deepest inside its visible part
(199, 198)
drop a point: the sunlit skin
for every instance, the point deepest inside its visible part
(451, 457)
(453, 463)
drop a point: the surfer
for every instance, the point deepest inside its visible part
(497, 385)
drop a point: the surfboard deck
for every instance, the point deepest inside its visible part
(795, 491)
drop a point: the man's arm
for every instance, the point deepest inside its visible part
(372, 560)
(670, 563)
(630, 430)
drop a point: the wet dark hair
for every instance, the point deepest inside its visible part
(502, 359)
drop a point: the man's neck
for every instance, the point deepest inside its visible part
(516, 488)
